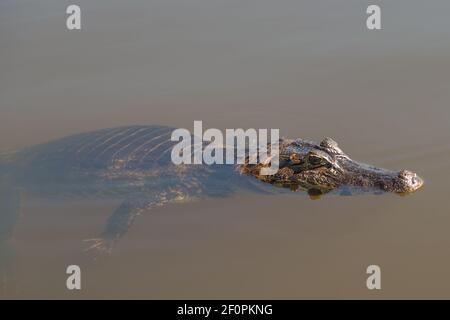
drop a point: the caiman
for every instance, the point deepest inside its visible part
(133, 164)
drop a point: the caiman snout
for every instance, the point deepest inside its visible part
(408, 181)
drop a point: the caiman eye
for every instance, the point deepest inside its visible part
(315, 160)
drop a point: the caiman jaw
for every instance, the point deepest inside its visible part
(361, 175)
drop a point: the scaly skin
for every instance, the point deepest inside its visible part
(133, 164)
(325, 167)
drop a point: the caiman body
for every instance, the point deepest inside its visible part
(133, 164)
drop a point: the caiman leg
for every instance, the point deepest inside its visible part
(123, 217)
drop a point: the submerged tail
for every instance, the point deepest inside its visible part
(6, 165)
(10, 204)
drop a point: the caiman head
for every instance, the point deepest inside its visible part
(323, 167)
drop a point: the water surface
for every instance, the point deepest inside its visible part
(309, 68)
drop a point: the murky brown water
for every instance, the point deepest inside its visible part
(312, 70)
